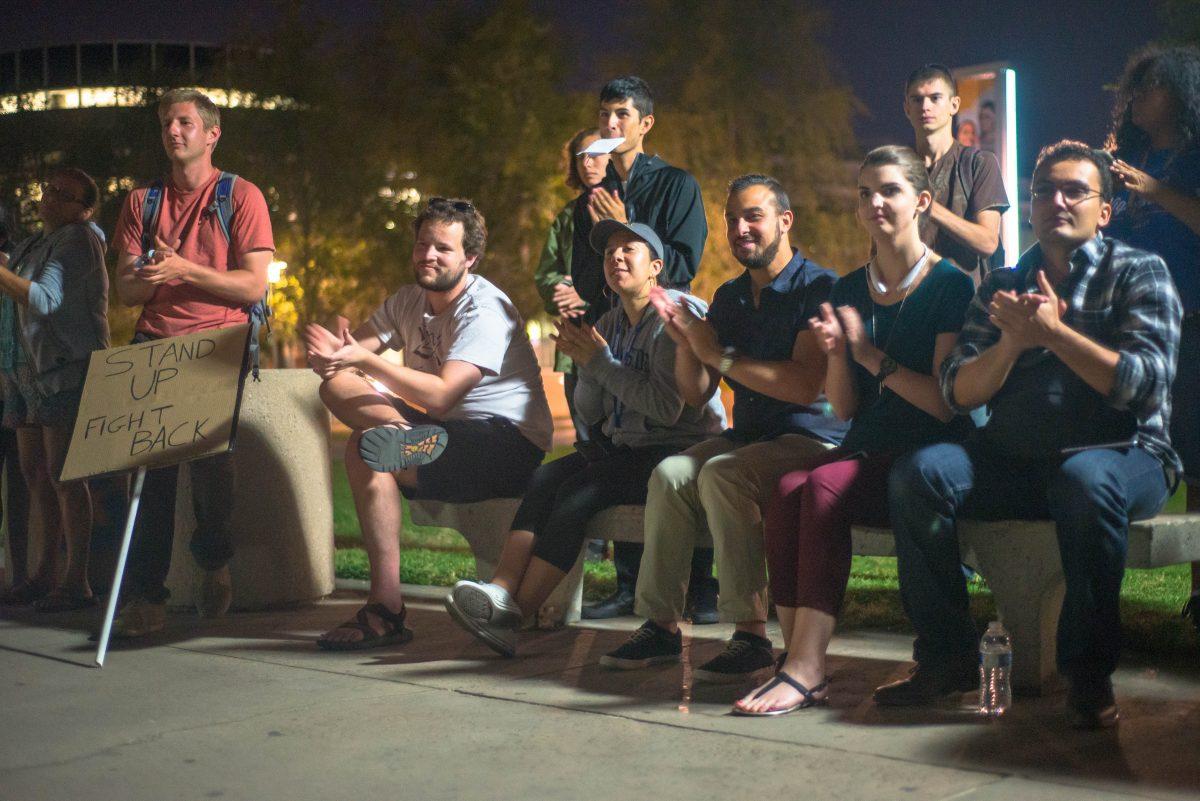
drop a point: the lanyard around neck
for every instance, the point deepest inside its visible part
(647, 314)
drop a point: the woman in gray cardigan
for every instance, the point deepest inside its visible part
(53, 314)
(627, 382)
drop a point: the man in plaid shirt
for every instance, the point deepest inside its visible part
(1073, 351)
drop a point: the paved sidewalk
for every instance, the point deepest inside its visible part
(247, 708)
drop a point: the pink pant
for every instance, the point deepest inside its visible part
(807, 526)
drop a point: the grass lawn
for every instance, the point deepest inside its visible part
(1150, 599)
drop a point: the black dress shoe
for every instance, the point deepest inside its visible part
(701, 608)
(929, 684)
(1092, 705)
(1192, 609)
(619, 604)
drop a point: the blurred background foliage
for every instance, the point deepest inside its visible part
(472, 99)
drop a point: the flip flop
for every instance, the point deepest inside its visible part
(388, 448)
(806, 697)
(57, 601)
(397, 634)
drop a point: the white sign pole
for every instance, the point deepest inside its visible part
(119, 576)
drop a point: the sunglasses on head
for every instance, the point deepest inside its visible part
(457, 205)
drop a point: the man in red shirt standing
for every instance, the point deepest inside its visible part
(191, 278)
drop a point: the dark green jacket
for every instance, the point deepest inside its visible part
(668, 200)
(555, 265)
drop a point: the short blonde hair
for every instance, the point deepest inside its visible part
(210, 115)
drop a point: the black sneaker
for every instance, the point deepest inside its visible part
(1192, 609)
(744, 655)
(649, 645)
(619, 604)
(930, 683)
(1092, 705)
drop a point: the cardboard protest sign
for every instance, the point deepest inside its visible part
(158, 403)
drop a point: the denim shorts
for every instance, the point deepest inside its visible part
(26, 405)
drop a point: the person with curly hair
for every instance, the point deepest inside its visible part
(1156, 148)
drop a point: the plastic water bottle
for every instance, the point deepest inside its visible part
(995, 669)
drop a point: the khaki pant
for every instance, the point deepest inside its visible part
(720, 487)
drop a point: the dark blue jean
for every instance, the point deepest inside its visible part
(1091, 496)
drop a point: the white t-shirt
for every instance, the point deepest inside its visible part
(481, 327)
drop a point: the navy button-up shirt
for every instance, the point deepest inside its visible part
(768, 332)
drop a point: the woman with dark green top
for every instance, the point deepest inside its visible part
(557, 268)
(887, 328)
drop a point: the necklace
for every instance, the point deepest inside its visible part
(879, 286)
(906, 287)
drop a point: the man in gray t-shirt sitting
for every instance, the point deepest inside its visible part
(468, 363)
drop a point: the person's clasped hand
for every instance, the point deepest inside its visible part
(166, 264)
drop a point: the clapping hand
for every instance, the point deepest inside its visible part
(604, 204)
(567, 299)
(580, 342)
(350, 354)
(320, 344)
(1029, 320)
(828, 330)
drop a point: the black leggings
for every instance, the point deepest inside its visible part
(564, 494)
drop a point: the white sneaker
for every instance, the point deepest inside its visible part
(487, 612)
(489, 603)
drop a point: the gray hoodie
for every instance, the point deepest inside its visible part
(630, 385)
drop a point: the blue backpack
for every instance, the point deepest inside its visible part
(222, 206)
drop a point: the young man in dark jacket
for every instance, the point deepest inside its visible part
(645, 189)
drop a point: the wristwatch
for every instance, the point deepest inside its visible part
(887, 366)
(728, 355)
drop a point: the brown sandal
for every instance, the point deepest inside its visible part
(395, 634)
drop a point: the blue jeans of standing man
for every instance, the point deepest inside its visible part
(1091, 496)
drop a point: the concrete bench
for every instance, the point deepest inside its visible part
(283, 506)
(1019, 559)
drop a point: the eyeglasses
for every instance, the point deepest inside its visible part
(61, 194)
(457, 205)
(1072, 194)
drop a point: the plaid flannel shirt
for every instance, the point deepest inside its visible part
(1117, 296)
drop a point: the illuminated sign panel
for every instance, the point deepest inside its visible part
(987, 119)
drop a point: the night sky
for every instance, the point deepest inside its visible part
(1064, 52)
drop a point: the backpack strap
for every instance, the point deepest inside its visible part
(151, 207)
(222, 205)
(260, 311)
